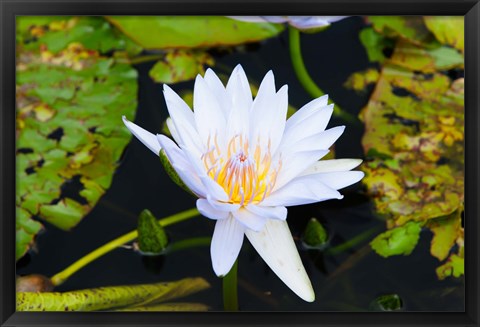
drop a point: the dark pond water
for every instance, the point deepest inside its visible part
(346, 282)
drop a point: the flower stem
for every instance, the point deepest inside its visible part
(304, 77)
(230, 297)
(62, 276)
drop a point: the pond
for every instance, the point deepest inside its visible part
(349, 280)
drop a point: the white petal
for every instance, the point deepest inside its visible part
(222, 206)
(275, 19)
(277, 248)
(327, 166)
(320, 141)
(148, 139)
(173, 130)
(184, 122)
(181, 165)
(308, 109)
(295, 164)
(218, 89)
(301, 190)
(208, 211)
(226, 243)
(268, 212)
(268, 114)
(238, 89)
(214, 189)
(310, 124)
(338, 180)
(249, 219)
(250, 19)
(209, 117)
(306, 22)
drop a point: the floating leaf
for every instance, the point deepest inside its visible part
(152, 238)
(410, 28)
(375, 44)
(69, 138)
(454, 267)
(449, 30)
(26, 229)
(57, 33)
(168, 32)
(108, 298)
(445, 232)
(361, 80)
(416, 58)
(180, 66)
(396, 241)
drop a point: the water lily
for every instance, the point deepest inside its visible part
(245, 162)
(300, 22)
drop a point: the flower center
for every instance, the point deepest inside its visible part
(246, 176)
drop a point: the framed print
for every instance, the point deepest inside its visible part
(198, 163)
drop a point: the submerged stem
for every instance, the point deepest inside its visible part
(304, 77)
(230, 288)
(354, 241)
(62, 276)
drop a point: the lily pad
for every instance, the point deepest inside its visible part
(414, 135)
(169, 32)
(180, 66)
(410, 28)
(449, 30)
(445, 232)
(58, 32)
(396, 241)
(69, 138)
(110, 298)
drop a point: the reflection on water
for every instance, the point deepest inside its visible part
(348, 281)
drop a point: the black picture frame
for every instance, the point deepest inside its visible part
(11, 8)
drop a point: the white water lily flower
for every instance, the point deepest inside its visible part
(246, 163)
(300, 22)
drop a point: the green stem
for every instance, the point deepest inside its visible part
(304, 77)
(62, 276)
(230, 297)
(354, 241)
(190, 243)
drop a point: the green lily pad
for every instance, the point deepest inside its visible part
(58, 32)
(69, 132)
(445, 232)
(168, 32)
(449, 30)
(180, 66)
(26, 229)
(414, 138)
(410, 28)
(375, 44)
(454, 267)
(397, 241)
(111, 298)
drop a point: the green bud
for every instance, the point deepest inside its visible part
(388, 302)
(315, 235)
(152, 239)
